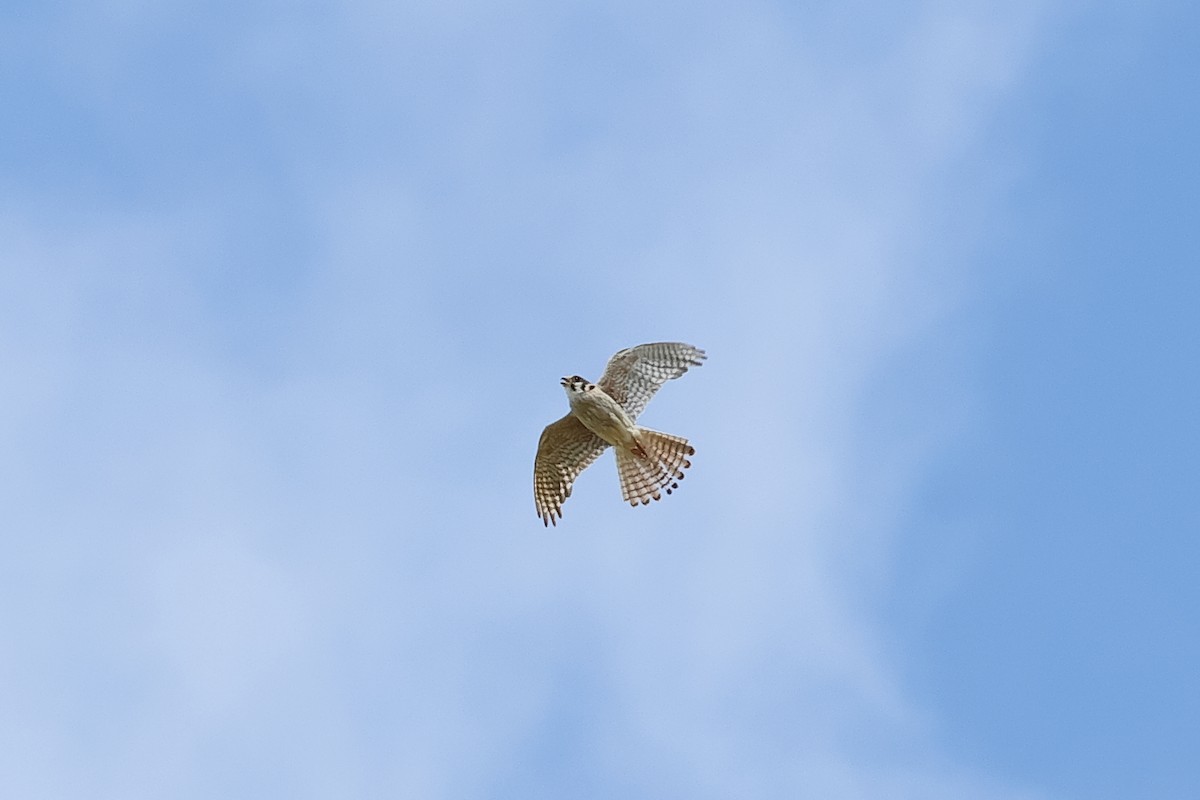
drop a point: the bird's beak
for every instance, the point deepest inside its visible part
(564, 382)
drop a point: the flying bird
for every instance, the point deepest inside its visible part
(604, 414)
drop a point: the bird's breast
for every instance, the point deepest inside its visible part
(603, 416)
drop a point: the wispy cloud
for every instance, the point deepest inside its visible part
(274, 407)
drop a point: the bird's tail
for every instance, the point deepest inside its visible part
(653, 465)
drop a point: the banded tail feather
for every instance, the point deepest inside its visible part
(652, 467)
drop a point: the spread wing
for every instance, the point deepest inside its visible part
(565, 450)
(634, 375)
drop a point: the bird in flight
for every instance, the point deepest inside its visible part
(604, 413)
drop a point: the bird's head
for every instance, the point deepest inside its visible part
(576, 385)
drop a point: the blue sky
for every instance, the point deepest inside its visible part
(285, 294)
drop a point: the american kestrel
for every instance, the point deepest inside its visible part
(604, 414)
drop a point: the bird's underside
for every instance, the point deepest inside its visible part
(603, 415)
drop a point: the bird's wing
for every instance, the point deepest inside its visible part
(565, 450)
(634, 374)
